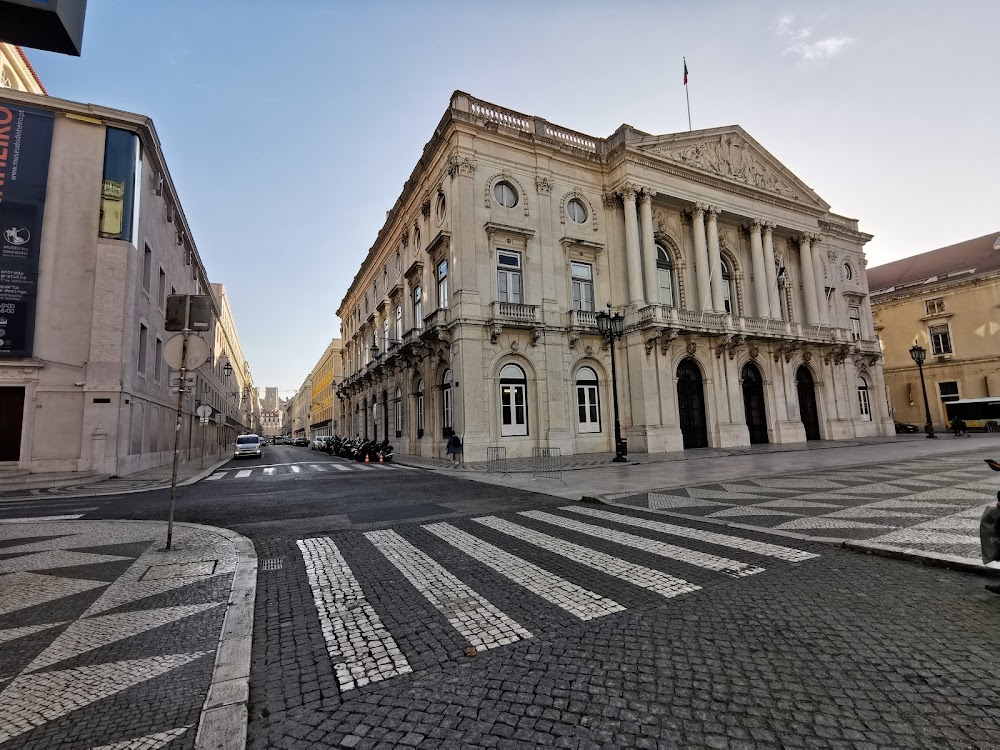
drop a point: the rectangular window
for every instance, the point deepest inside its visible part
(948, 391)
(934, 306)
(418, 308)
(940, 340)
(509, 287)
(588, 411)
(447, 410)
(158, 361)
(161, 291)
(399, 417)
(866, 409)
(442, 283)
(147, 269)
(513, 410)
(399, 322)
(143, 345)
(420, 415)
(583, 286)
(854, 312)
(118, 194)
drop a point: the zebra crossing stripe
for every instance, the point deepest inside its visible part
(295, 469)
(317, 467)
(365, 468)
(218, 475)
(481, 623)
(576, 600)
(788, 554)
(269, 471)
(731, 568)
(653, 580)
(242, 473)
(361, 649)
(379, 466)
(341, 467)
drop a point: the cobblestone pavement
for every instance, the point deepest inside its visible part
(587, 626)
(106, 640)
(925, 505)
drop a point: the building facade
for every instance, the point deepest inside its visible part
(746, 307)
(89, 256)
(271, 401)
(324, 417)
(301, 411)
(272, 423)
(948, 301)
(16, 71)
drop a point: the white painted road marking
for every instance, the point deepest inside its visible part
(269, 471)
(317, 467)
(219, 475)
(296, 469)
(638, 575)
(470, 614)
(747, 545)
(732, 568)
(41, 518)
(356, 640)
(576, 600)
(341, 467)
(243, 473)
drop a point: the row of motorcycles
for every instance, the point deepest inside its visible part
(360, 449)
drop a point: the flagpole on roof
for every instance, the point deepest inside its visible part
(686, 94)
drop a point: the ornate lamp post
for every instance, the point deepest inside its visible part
(612, 329)
(919, 354)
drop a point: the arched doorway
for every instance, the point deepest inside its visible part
(807, 402)
(753, 403)
(385, 414)
(691, 405)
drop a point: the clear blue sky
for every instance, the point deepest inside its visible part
(290, 127)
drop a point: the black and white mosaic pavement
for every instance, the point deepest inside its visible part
(107, 641)
(927, 504)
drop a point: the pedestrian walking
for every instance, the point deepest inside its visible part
(454, 448)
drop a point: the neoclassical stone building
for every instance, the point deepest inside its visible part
(745, 299)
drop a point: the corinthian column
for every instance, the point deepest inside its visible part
(632, 245)
(759, 276)
(770, 274)
(808, 280)
(701, 255)
(648, 246)
(715, 260)
(822, 306)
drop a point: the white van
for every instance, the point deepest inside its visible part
(248, 445)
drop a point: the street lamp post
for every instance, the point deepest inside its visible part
(612, 329)
(919, 354)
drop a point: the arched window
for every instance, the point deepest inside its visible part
(398, 413)
(419, 393)
(588, 405)
(727, 288)
(665, 276)
(447, 405)
(863, 401)
(513, 401)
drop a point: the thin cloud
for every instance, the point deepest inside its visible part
(800, 41)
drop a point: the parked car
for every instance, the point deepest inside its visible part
(903, 427)
(319, 443)
(248, 445)
(300, 441)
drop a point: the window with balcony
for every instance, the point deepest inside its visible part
(399, 322)
(442, 283)
(854, 313)
(513, 401)
(665, 276)
(583, 286)
(418, 307)
(728, 293)
(447, 405)
(509, 286)
(940, 340)
(934, 306)
(587, 401)
(864, 401)
(398, 413)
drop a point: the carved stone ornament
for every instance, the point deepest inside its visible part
(734, 345)
(691, 347)
(543, 185)
(651, 342)
(495, 332)
(574, 336)
(722, 345)
(667, 337)
(460, 165)
(536, 334)
(807, 356)
(753, 351)
(513, 345)
(610, 201)
(425, 207)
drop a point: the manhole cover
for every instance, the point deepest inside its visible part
(271, 563)
(179, 570)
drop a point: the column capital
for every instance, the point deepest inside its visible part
(699, 209)
(646, 195)
(713, 212)
(610, 200)
(768, 226)
(752, 225)
(814, 238)
(628, 191)
(804, 240)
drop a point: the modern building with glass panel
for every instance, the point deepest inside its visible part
(746, 307)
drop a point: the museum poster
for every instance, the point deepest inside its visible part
(25, 144)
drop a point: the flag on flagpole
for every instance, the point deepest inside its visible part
(685, 72)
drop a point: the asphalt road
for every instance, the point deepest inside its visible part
(400, 608)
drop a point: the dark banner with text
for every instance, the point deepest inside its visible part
(25, 145)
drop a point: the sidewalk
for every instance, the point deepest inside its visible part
(188, 472)
(108, 640)
(913, 498)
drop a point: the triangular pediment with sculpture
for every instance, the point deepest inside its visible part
(730, 153)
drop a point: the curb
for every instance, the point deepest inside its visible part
(223, 722)
(858, 546)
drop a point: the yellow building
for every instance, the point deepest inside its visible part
(16, 71)
(948, 301)
(327, 372)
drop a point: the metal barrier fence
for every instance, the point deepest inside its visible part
(547, 463)
(496, 461)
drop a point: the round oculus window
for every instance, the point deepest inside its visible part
(848, 273)
(442, 206)
(576, 211)
(505, 194)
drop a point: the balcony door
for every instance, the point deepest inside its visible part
(807, 402)
(753, 403)
(691, 405)
(11, 415)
